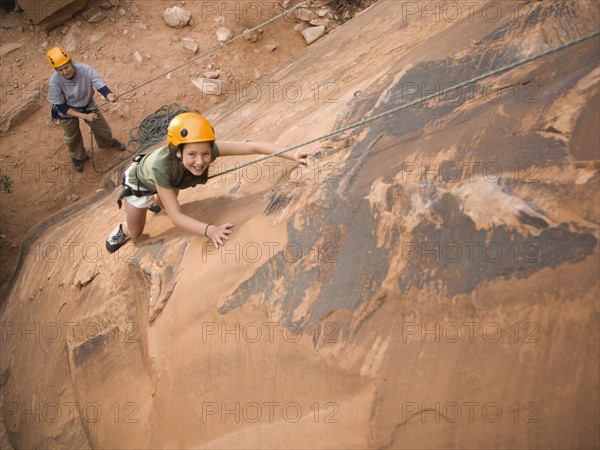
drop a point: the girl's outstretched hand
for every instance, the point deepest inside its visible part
(219, 233)
(301, 154)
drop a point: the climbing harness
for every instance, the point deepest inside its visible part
(128, 190)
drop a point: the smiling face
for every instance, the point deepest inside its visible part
(67, 70)
(196, 157)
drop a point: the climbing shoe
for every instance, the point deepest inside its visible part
(119, 145)
(154, 208)
(116, 239)
(78, 163)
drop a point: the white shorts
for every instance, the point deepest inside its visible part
(138, 202)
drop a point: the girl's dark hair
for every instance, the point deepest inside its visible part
(177, 170)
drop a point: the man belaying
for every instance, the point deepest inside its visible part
(71, 94)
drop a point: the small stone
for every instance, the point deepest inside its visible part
(313, 33)
(208, 86)
(257, 74)
(270, 47)
(106, 4)
(92, 15)
(304, 14)
(250, 36)
(224, 34)
(176, 17)
(322, 12)
(69, 42)
(190, 45)
(2, 236)
(212, 74)
(138, 56)
(74, 197)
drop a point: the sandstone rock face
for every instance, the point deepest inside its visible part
(428, 281)
(19, 111)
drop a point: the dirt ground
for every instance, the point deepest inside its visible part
(33, 154)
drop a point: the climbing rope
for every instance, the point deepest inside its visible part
(442, 92)
(154, 127)
(151, 130)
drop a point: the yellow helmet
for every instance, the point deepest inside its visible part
(57, 57)
(189, 127)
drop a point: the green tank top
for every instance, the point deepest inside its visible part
(155, 169)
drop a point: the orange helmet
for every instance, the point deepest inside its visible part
(189, 127)
(57, 57)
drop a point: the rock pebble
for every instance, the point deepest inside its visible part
(250, 36)
(190, 45)
(305, 14)
(208, 86)
(313, 33)
(176, 17)
(224, 34)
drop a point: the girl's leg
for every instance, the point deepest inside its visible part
(136, 220)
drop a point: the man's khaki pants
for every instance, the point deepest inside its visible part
(74, 140)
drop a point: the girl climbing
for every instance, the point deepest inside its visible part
(182, 164)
